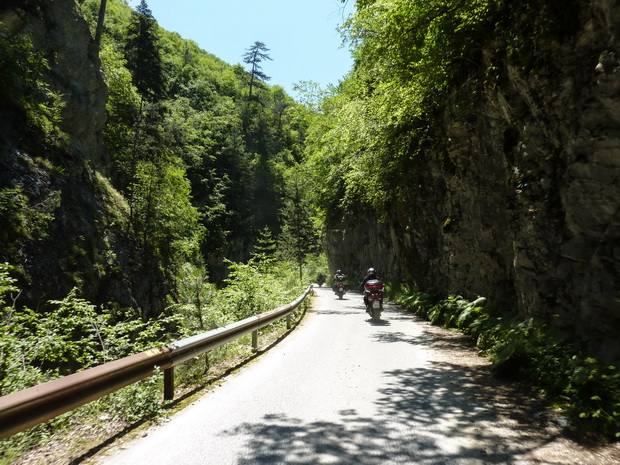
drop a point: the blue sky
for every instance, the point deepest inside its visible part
(301, 34)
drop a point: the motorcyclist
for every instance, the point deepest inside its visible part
(320, 279)
(338, 277)
(370, 274)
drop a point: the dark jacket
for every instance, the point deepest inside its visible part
(368, 278)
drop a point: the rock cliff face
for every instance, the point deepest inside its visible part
(87, 244)
(520, 203)
(62, 35)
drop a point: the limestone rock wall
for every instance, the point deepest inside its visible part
(87, 244)
(521, 206)
(62, 35)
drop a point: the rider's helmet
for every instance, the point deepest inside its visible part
(338, 272)
(371, 271)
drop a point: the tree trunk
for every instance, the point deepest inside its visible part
(100, 19)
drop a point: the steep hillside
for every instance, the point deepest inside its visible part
(123, 166)
(60, 174)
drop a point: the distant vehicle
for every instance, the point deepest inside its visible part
(373, 297)
(340, 288)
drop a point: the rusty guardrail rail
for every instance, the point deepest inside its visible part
(24, 409)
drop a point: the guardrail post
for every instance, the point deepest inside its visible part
(169, 384)
(255, 339)
(288, 321)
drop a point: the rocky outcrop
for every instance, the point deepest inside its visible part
(57, 30)
(87, 243)
(521, 204)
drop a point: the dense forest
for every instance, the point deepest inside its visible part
(187, 161)
(148, 191)
(471, 155)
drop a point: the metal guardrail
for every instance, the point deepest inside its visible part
(24, 409)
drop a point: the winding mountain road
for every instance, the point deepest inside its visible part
(341, 389)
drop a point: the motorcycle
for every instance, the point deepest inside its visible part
(340, 288)
(373, 298)
(320, 280)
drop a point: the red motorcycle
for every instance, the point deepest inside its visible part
(373, 298)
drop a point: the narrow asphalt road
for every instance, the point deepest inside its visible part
(341, 389)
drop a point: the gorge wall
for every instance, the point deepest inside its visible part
(86, 244)
(518, 201)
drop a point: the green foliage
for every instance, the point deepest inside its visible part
(135, 402)
(143, 53)
(314, 265)
(260, 285)
(252, 289)
(265, 247)
(163, 215)
(255, 287)
(417, 44)
(15, 372)
(411, 58)
(254, 56)
(20, 217)
(299, 236)
(117, 18)
(197, 174)
(22, 83)
(74, 335)
(408, 56)
(7, 283)
(122, 108)
(234, 155)
(310, 94)
(194, 302)
(529, 350)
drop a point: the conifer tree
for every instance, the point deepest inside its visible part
(265, 248)
(299, 237)
(142, 53)
(265, 243)
(254, 56)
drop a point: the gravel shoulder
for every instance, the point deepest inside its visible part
(541, 432)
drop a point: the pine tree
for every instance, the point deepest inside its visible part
(299, 237)
(265, 248)
(142, 53)
(255, 56)
(265, 243)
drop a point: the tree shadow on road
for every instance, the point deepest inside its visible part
(442, 413)
(379, 322)
(450, 411)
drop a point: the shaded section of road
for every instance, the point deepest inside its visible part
(440, 414)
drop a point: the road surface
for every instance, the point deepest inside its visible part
(341, 389)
